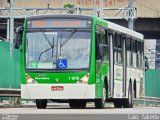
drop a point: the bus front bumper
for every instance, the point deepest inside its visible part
(58, 91)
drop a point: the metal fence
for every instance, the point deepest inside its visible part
(9, 71)
(152, 83)
(106, 13)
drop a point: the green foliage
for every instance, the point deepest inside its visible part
(68, 5)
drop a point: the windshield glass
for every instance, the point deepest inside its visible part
(67, 49)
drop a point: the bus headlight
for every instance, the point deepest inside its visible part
(84, 80)
(29, 79)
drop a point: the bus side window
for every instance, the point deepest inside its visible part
(98, 56)
(102, 51)
(139, 54)
(142, 54)
(134, 53)
(118, 49)
(115, 49)
(104, 45)
(107, 46)
(129, 53)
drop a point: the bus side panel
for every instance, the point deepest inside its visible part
(23, 78)
(92, 61)
(118, 81)
(135, 74)
(102, 67)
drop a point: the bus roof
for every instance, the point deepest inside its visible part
(60, 16)
(118, 28)
(124, 30)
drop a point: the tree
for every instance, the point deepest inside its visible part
(71, 8)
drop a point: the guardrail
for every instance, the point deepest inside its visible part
(147, 101)
(7, 92)
(147, 98)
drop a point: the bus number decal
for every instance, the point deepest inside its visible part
(73, 78)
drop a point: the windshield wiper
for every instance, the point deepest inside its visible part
(66, 40)
(42, 53)
(50, 44)
(46, 38)
(69, 37)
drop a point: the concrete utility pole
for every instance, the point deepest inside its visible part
(11, 11)
(95, 9)
(101, 8)
(130, 19)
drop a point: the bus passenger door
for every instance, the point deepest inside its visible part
(124, 53)
(111, 65)
(98, 62)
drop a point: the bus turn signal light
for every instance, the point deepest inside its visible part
(84, 80)
(29, 79)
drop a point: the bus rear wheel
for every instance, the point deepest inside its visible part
(118, 103)
(41, 104)
(77, 104)
(100, 102)
(128, 103)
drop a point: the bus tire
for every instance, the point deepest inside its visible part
(128, 103)
(41, 104)
(134, 88)
(77, 104)
(118, 103)
(100, 102)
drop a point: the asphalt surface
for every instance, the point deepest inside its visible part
(64, 109)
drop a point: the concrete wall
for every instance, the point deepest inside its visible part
(152, 52)
(148, 8)
(145, 8)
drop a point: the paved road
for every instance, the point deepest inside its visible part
(64, 109)
(63, 112)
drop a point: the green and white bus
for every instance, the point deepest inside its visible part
(79, 59)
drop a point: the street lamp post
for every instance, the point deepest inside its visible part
(11, 17)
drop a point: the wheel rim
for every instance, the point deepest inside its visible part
(130, 97)
(104, 96)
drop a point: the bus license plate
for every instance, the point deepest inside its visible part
(57, 88)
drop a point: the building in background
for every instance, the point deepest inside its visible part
(152, 52)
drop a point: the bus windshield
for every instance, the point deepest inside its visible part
(58, 49)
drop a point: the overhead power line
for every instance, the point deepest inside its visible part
(147, 6)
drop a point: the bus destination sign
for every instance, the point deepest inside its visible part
(59, 23)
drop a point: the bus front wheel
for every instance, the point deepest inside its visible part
(41, 104)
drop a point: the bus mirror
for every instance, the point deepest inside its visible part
(18, 38)
(19, 30)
